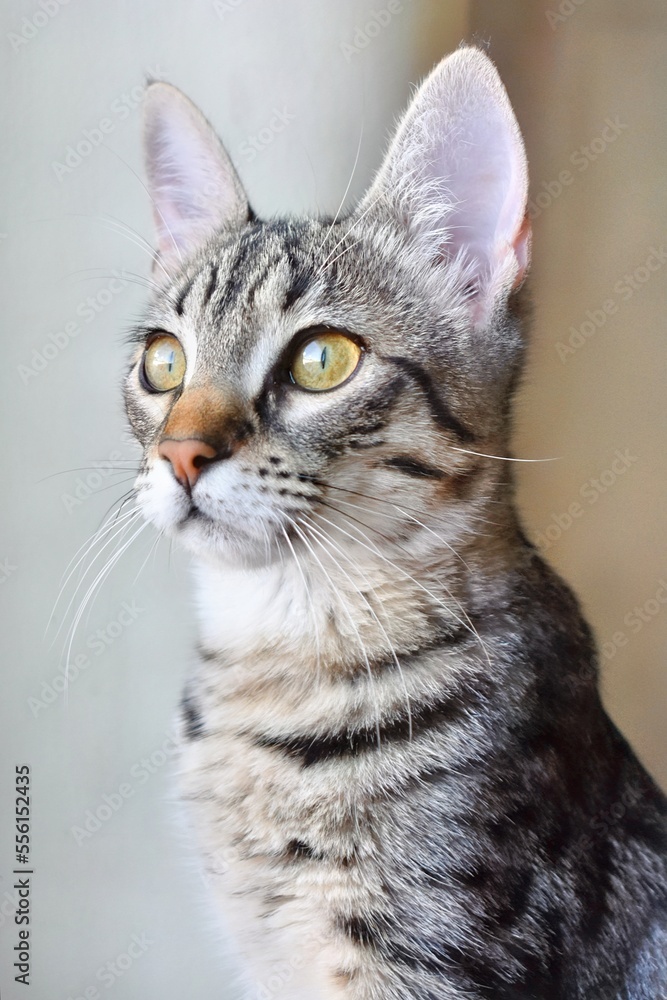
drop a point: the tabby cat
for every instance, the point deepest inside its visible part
(401, 777)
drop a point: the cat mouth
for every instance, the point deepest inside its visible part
(193, 513)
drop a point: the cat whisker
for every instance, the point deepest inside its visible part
(88, 468)
(342, 201)
(346, 611)
(121, 501)
(267, 542)
(104, 526)
(347, 249)
(435, 534)
(344, 237)
(111, 486)
(151, 552)
(93, 590)
(416, 520)
(113, 530)
(307, 592)
(128, 276)
(154, 203)
(385, 538)
(370, 496)
(464, 622)
(325, 540)
(394, 517)
(123, 229)
(506, 458)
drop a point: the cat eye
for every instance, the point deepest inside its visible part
(164, 363)
(325, 361)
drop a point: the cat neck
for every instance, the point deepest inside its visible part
(326, 614)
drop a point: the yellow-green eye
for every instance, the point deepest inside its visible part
(164, 363)
(325, 361)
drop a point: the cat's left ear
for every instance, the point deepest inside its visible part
(456, 178)
(195, 189)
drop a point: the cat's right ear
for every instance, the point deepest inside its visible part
(455, 180)
(193, 185)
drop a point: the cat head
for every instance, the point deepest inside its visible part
(288, 372)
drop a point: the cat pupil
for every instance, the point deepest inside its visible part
(323, 358)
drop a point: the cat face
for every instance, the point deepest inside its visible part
(289, 375)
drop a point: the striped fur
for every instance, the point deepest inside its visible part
(400, 773)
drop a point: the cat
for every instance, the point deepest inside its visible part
(400, 774)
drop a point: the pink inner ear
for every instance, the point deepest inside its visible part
(482, 162)
(194, 186)
(456, 176)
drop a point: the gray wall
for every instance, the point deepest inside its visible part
(72, 74)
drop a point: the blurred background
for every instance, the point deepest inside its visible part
(293, 87)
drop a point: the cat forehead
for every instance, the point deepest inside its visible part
(234, 269)
(249, 292)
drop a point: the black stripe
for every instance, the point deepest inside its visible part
(372, 428)
(192, 719)
(411, 467)
(362, 445)
(300, 282)
(246, 246)
(439, 411)
(301, 272)
(208, 654)
(259, 280)
(298, 850)
(212, 282)
(359, 930)
(348, 742)
(180, 301)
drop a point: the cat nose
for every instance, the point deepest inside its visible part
(187, 458)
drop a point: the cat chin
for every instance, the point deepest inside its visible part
(215, 545)
(208, 539)
(196, 523)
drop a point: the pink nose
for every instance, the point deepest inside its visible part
(187, 458)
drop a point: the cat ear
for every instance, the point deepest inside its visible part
(192, 181)
(456, 177)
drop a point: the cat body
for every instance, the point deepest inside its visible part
(400, 774)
